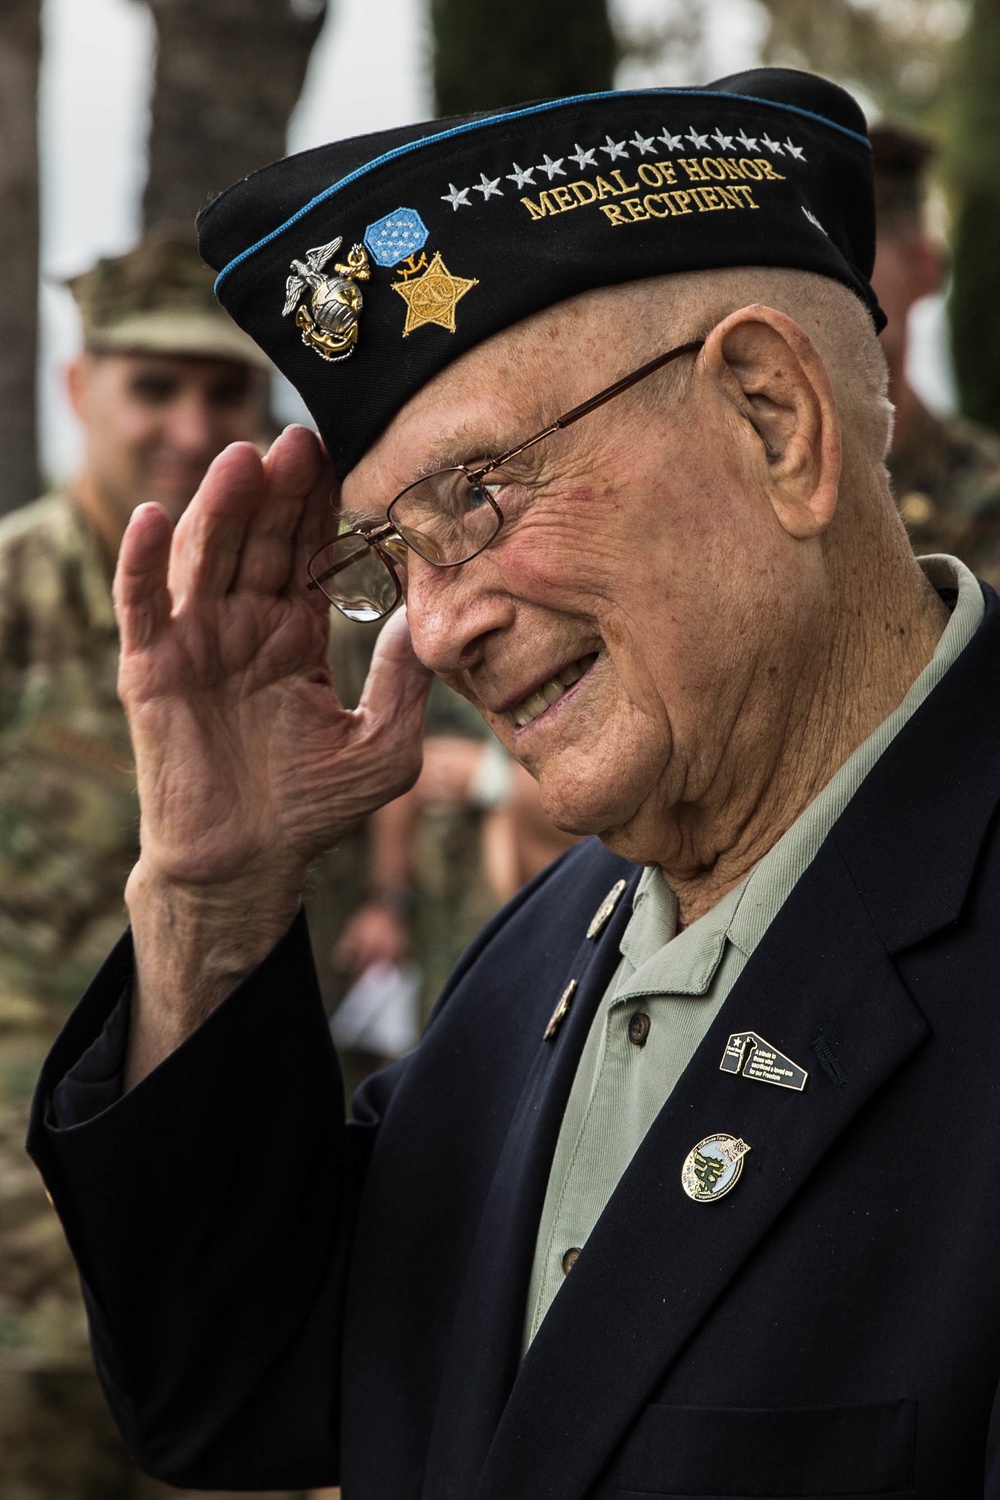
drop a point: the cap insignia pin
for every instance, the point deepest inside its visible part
(713, 1167)
(748, 1053)
(602, 915)
(433, 296)
(560, 1013)
(327, 308)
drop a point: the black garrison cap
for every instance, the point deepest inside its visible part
(364, 267)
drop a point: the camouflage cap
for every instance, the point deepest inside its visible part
(157, 299)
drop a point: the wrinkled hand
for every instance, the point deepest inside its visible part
(247, 763)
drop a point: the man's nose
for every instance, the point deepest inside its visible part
(453, 611)
(192, 425)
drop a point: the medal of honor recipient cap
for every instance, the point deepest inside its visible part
(364, 267)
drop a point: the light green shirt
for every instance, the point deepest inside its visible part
(669, 986)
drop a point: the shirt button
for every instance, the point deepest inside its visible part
(638, 1028)
(570, 1259)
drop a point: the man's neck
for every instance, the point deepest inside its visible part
(97, 516)
(885, 632)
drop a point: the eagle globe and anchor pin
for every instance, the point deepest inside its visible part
(327, 308)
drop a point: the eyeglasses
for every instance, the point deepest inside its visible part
(447, 518)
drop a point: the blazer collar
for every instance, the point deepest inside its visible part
(820, 972)
(486, 1342)
(911, 835)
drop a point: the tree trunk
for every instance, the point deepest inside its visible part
(20, 53)
(228, 75)
(975, 299)
(485, 58)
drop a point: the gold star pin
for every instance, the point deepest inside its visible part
(433, 297)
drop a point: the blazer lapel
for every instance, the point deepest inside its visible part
(656, 1261)
(821, 985)
(486, 1340)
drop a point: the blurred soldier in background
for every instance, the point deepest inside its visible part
(164, 382)
(945, 470)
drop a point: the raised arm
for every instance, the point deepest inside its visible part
(247, 764)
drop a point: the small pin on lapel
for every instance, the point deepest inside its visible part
(748, 1053)
(561, 1011)
(713, 1167)
(603, 913)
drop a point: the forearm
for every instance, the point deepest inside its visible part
(193, 946)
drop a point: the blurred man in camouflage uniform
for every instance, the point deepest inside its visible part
(945, 470)
(164, 382)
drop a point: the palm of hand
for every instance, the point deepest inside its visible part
(246, 760)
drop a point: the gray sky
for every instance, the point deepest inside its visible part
(369, 71)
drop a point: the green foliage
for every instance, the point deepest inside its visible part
(486, 57)
(894, 51)
(975, 304)
(975, 164)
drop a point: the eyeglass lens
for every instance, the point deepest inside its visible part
(445, 518)
(355, 578)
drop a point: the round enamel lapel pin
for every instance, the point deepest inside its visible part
(713, 1167)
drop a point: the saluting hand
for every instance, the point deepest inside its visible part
(247, 763)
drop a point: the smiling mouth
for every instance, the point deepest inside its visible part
(550, 692)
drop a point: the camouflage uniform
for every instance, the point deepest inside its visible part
(947, 484)
(68, 838)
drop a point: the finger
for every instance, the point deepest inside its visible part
(142, 598)
(319, 522)
(292, 471)
(209, 538)
(321, 517)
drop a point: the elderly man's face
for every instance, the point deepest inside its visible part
(612, 633)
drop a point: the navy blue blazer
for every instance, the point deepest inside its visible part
(278, 1299)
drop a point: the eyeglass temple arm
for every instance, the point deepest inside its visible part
(568, 418)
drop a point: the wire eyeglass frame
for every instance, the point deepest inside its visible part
(380, 541)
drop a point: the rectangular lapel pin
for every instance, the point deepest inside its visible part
(748, 1053)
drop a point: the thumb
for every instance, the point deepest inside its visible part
(398, 682)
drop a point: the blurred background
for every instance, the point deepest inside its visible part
(120, 119)
(115, 114)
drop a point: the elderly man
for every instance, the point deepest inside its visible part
(684, 1191)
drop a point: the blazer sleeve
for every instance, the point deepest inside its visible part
(227, 1181)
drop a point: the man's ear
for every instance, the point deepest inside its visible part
(77, 381)
(770, 370)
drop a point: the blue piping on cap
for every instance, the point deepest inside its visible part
(519, 114)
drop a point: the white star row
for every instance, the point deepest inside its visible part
(644, 146)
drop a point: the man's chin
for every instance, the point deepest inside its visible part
(574, 811)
